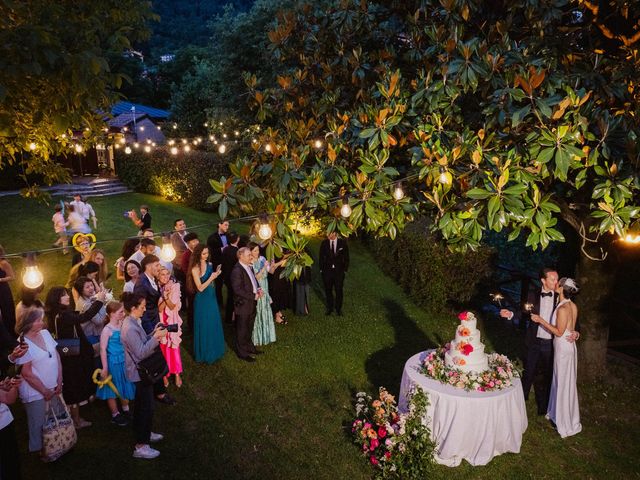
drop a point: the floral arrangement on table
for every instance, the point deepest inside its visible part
(398, 445)
(499, 375)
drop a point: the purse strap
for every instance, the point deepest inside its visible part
(55, 321)
(50, 412)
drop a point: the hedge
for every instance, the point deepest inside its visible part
(182, 178)
(436, 278)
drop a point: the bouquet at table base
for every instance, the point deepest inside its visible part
(398, 445)
(463, 363)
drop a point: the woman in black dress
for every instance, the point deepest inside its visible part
(64, 323)
(7, 307)
(279, 290)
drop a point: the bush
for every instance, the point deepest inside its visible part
(183, 177)
(433, 276)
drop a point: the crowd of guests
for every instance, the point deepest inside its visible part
(106, 333)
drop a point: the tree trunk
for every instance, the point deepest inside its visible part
(595, 281)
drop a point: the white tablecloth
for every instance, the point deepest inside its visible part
(474, 426)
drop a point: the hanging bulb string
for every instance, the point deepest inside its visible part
(210, 224)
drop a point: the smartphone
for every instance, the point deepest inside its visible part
(126, 214)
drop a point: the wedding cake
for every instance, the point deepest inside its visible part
(466, 352)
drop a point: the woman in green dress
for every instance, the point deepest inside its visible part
(264, 329)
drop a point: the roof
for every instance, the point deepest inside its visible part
(126, 107)
(125, 119)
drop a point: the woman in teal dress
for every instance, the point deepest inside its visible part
(264, 330)
(208, 338)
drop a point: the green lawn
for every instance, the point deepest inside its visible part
(283, 417)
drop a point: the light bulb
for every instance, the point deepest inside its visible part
(398, 192)
(184, 141)
(147, 148)
(174, 150)
(116, 146)
(317, 144)
(125, 129)
(221, 124)
(187, 148)
(78, 148)
(136, 145)
(345, 210)
(236, 133)
(123, 140)
(175, 127)
(224, 135)
(168, 253)
(206, 124)
(265, 231)
(171, 142)
(141, 128)
(267, 147)
(32, 146)
(222, 148)
(32, 277)
(211, 138)
(158, 127)
(127, 150)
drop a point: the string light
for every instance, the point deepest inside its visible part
(127, 150)
(147, 148)
(158, 127)
(444, 176)
(175, 127)
(187, 148)
(267, 147)
(32, 276)
(123, 140)
(171, 142)
(222, 148)
(78, 148)
(167, 253)
(174, 150)
(633, 239)
(184, 141)
(265, 232)
(236, 133)
(206, 124)
(318, 144)
(398, 192)
(141, 128)
(345, 210)
(224, 135)
(32, 146)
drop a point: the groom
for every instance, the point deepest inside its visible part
(246, 293)
(538, 340)
(334, 263)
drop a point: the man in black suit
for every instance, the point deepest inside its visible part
(229, 260)
(215, 243)
(148, 288)
(246, 293)
(539, 341)
(334, 263)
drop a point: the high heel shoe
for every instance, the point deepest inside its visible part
(165, 380)
(178, 381)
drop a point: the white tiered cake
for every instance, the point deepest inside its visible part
(466, 352)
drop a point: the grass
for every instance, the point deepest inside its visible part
(283, 417)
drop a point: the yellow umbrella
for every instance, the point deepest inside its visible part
(107, 381)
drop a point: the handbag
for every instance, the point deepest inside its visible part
(153, 368)
(58, 432)
(67, 347)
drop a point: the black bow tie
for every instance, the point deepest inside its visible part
(548, 294)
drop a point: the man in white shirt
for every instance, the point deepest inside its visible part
(148, 247)
(85, 210)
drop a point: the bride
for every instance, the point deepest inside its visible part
(563, 401)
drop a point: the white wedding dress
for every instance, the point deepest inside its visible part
(563, 401)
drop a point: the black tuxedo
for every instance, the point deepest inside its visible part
(146, 222)
(244, 309)
(229, 260)
(151, 315)
(333, 266)
(215, 245)
(539, 356)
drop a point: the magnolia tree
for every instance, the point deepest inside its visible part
(498, 116)
(55, 78)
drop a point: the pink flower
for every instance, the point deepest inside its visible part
(382, 432)
(374, 460)
(387, 455)
(462, 315)
(374, 444)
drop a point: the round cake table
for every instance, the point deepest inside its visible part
(474, 426)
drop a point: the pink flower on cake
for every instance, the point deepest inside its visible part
(463, 315)
(465, 348)
(464, 331)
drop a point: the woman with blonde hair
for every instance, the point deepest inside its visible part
(97, 255)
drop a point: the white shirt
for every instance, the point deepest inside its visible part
(334, 245)
(546, 310)
(5, 416)
(152, 281)
(252, 276)
(138, 256)
(129, 286)
(44, 364)
(77, 223)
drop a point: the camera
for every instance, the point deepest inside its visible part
(171, 328)
(126, 214)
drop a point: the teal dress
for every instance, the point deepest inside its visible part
(115, 360)
(208, 336)
(264, 330)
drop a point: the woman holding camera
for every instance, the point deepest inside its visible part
(138, 346)
(85, 290)
(77, 369)
(169, 309)
(41, 371)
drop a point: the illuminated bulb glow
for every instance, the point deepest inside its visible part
(184, 141)
(345, 210)
(141, 128)
(78, 148)
(123, 140)
(147, 148)
(171, 142)
(187, 148)
(136, 145)
(168, 253)
(222, 148)
(265, 231)
(175, 127)
(236, 133)
(268, 147)
(32, 146)
(317, 144)
(32, 277)
(127, 150)
(398, 192)
(174, 150)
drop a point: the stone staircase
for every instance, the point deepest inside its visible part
(89, 187)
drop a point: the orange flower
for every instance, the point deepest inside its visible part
(464, 331)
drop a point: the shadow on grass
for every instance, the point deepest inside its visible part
(384, 368)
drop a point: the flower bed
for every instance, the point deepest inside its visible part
(500, 374)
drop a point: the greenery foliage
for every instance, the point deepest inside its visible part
(183, 178)
(55, 77)
(433, 276)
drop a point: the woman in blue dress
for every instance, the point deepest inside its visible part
(208, 337)
(264, 330)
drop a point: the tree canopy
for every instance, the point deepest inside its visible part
(55, 78)
(502, 115)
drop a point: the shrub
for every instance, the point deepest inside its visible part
(433, 276)
(183, 177)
